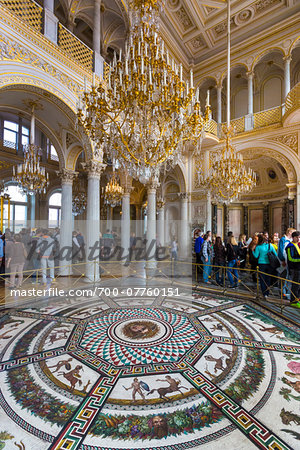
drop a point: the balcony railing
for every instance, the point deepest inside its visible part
(27, 10)
(267, 117)
(75, 47)
(293, 99)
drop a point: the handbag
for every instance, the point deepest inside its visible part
(273, 259)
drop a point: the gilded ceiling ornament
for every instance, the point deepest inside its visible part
(261, 5)
(184, 18)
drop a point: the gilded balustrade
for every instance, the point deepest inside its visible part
(238, 125)
(268, 117)
(293, 99)
(75, 47)
(211, 127)
(27, 10)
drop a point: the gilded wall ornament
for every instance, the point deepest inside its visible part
(10, 50)
(291, 140)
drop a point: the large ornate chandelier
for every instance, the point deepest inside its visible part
(79, 202)
(227, 177)
(113, 192)
(147, 110)
(30, 175)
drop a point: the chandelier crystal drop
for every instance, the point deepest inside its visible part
(147, 111)
(113, 192)
(30, 175)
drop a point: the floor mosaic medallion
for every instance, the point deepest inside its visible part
(192, 372)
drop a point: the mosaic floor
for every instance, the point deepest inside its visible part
(168, 374)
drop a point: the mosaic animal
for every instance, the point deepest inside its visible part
(174, 386)
(218, 361)
(287, 417)
(218, 327)
(294, 384)
(272, 330)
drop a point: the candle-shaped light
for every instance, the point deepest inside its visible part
(85, 85)
(126, 66)
(207, 98)
(180, 72)
(192, 81)
(120, 55)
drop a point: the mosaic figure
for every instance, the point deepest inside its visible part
(159, 427)
(65, 363)
(137, 388)
(140, 329)
(174, 386)
(218, 361)
(73, 376)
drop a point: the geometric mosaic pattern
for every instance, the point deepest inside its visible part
(206, 373)
(181, 338)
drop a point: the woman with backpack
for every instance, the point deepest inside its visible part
(260, 251)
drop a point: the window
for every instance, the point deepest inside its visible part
(54, 213)
(18, 209)
(53, 153)
(10, 134)
(25, 136)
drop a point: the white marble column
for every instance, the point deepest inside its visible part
(287, 75)
(32, 211)
(94, 170)
(208, 224)
(219, 103)
(183, 242)
(161, 224)
(125, 224)
(67, 176)
(151, 226)
(50, 21)
(250, 92)
(98, 60)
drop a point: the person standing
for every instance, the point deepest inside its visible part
(174, 249)
(207, 254)
(197, 248)
(232, 261)
(252, 260)
(46, 249)
(260, 251)
(283, 242)
(219, 260)
(293, 262)
(17, 261)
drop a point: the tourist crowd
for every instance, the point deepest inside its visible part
(267, 256)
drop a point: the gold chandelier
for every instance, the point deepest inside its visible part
(113, 192)
(227, 177)
(146, 111)
(30, 175)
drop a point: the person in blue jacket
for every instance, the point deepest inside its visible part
(293, 261)
(197, 248)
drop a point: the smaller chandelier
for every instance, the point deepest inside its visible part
(227, 177)
(30, 175)
(113, 192)
(78, 203)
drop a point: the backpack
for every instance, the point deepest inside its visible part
(273, 259)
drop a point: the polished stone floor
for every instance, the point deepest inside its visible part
(148, 372)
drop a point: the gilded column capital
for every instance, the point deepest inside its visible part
(250, 74)
(152, 185)
(67, 176)
(94, 168)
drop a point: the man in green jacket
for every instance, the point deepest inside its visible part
(293, 261)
